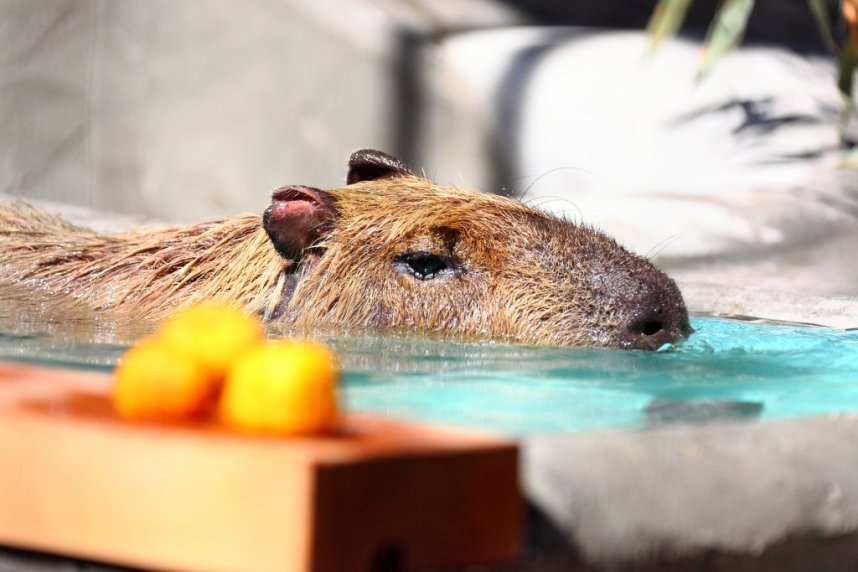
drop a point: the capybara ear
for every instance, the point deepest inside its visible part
(297, 219)
(369, 165)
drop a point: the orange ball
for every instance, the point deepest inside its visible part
(156, 382)
(214, 334)
(287, 388)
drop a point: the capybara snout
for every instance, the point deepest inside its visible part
(599, 294)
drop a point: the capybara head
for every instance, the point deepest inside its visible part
(394, 250)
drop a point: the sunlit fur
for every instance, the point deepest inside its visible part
(524, 275)
(149, 272)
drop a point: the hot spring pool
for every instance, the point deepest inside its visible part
(775, 371)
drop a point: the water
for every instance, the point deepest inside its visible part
(727, 369)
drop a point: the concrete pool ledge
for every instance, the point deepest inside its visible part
(716, 299)
(775, 495)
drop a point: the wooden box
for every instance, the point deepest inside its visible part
(76, 480)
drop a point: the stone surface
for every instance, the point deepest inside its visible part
(774, 305)
(717, 492)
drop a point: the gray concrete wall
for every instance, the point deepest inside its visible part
(182, 110)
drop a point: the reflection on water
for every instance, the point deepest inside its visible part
(784, 371)
(39, 328)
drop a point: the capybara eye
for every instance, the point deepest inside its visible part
(425, 265)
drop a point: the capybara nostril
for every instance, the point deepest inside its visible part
(648, 326)
(647, 332)
(655, 327)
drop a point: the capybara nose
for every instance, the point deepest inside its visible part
(649, 331)
(658, 321)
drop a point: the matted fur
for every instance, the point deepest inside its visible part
(147, 272)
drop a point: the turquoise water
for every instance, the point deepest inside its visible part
(785, 371)
(774, 371)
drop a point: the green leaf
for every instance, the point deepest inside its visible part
(665, 21)
(726, 32)
(820, 14)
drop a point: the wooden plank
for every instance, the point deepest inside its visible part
(77, 480)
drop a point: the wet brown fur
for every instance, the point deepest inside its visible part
(517, 283)
(525, 275)
(147, 272)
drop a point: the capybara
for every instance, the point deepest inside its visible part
(388, 250)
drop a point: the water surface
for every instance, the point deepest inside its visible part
(776, 371)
